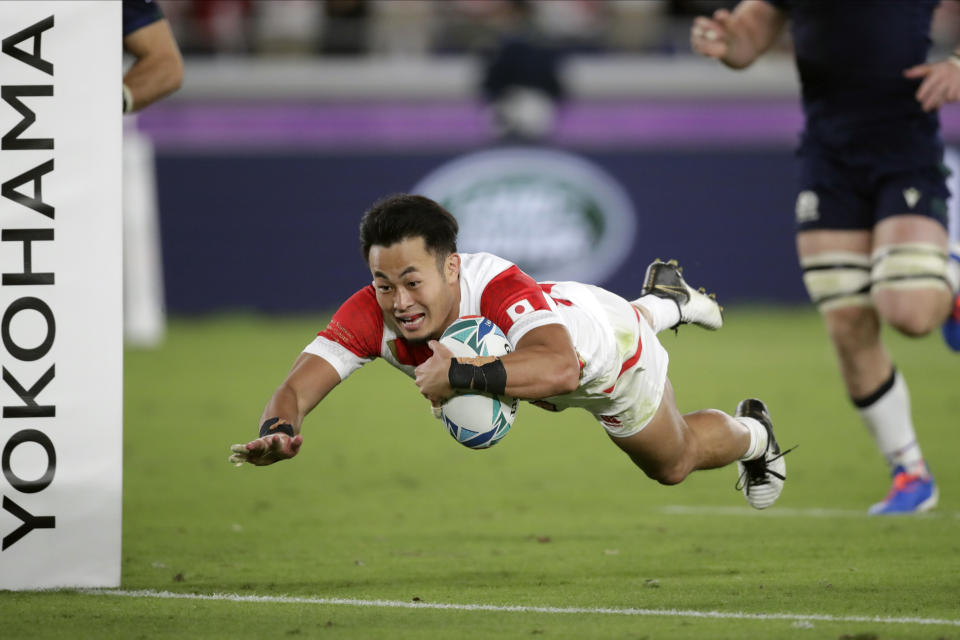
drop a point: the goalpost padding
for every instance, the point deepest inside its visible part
(60, 294)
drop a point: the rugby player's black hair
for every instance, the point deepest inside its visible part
(402, 216)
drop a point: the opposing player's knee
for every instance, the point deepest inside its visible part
(837, 280)
(910, 286)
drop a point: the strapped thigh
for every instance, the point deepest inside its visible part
(836, 279)
(913, 265)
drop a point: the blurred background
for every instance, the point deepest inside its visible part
(579, 138)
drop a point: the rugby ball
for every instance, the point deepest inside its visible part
(477, 420)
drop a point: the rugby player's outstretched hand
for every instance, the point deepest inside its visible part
(266, 450)
(941, 82)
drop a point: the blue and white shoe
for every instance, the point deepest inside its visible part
(910, 493)
(951, 328)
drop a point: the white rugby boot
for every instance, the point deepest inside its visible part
(665, 280)
(761, 480)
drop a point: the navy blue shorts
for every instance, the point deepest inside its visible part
(835, 195)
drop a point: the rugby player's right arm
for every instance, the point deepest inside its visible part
(310, 379)
(737, 39)
(351, 339)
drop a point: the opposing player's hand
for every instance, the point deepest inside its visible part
(266, 450)
(433, 376)
(711, 36)
(941, 83)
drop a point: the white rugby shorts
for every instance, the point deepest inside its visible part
(637, 393)
(621, 387)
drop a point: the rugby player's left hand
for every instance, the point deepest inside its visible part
(433, 376)
(941, 83)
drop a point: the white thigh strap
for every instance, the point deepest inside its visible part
(837, 279)
(915, 265)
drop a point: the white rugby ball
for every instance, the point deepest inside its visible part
(477, 420)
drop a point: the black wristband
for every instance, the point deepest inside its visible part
(270, 427)
(489, 378)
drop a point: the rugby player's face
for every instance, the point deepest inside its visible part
(418, 297)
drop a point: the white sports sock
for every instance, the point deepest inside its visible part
(758, 438)
(886, 414)
(663, 312)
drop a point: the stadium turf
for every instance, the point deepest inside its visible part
(553, 528)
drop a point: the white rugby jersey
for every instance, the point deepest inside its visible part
(603, 327)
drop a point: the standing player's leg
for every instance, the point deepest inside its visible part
(837, 273)
(912, 290)
(838, 210)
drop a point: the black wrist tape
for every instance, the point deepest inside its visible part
(489, 378)
(270, 427)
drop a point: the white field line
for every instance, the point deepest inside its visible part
(399, 604)
(786, 512)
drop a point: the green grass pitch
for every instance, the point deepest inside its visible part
(383, 505)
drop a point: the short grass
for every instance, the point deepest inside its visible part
(382, 504)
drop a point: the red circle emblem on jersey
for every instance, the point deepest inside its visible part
(518, 309)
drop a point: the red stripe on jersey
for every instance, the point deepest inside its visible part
(358, 324)
(632, 360)
(511, 291)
